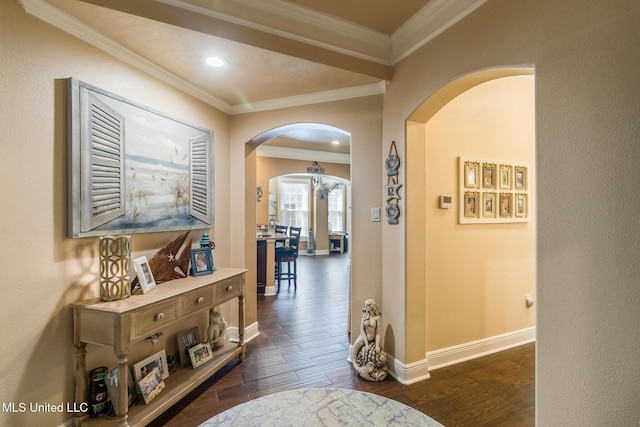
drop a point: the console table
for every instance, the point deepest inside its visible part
(118, 324)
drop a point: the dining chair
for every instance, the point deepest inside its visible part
(288, 254)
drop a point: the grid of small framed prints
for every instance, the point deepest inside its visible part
(492, 192)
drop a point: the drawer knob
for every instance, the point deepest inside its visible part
(200, 300)
(159, 316)
(229, 288)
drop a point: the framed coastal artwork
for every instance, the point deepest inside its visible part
(133, 169)
(492, 191)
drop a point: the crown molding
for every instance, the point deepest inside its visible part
(63, 21)
(312, 98)
(432, 20)
(300, 154)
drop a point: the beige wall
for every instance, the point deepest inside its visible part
(43, 271)
(477, 276)
(586, 59)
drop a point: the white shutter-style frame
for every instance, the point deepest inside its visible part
(129, 167)
(201, 179)
(102, 163)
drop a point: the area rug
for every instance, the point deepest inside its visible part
(321, 407)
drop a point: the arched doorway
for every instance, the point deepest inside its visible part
(466, 283)
(290, 151)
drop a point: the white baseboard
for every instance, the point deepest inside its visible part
(474, 349)
(250, 332)
(408, 374)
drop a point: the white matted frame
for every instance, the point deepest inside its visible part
(146, 366)
(145, 276)
(492, 191)
(200, 354)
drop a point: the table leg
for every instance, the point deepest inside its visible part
(81, 381)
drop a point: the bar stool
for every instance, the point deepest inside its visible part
(281, 229)
(288, 254)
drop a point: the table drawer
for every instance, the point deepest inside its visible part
(227, 289)
(148, 319)
(196, 300)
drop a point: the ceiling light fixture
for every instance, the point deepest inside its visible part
(214, 61)
(335, 142)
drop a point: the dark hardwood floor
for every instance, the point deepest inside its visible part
(303, 343)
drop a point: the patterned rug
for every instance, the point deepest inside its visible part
(321, 407)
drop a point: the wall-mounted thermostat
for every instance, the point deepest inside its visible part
(445, 202)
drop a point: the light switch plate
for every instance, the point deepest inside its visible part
(375, 214)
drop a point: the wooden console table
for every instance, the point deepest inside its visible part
(118, 324)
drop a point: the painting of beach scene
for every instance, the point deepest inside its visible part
(134, 169)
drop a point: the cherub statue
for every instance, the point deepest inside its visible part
(368, 356)
(217, 331)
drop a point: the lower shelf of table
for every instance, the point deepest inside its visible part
(177, 386)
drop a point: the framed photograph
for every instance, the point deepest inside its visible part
(521, 205)
(520, 177)
(201, 261)
(186, 340)
(504, 176)
(471, 172)
(471, 204)
(151, 385)
(157, 361)
(489, 205)
(489, 175)
(200, 354)
(145, 277)
(155, 176)
(505, 205)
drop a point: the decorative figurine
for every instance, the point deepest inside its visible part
(217, 331)
(368, 356)
(172, 262)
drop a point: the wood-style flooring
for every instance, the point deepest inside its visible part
(304, 343)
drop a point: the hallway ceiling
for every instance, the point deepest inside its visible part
(277, 53)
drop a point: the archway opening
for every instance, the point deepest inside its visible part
(284, 159)
(467, 282)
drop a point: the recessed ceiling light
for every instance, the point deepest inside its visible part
(214, 61)
(335, 142)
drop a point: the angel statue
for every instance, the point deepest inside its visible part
(367, 355)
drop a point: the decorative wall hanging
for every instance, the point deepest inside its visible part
(393, 160)
(492, 192)
(134, 170)
(392, 164)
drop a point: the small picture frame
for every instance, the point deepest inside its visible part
(186, 340)
(200, 354)
(471, 172)
(471, 204)
(489, 205)
(151, 385)
(504, 177)
(520, 205)
(489, 175)
(145, 276)
(520, 177)
(505, 205)
(201, 262)
(144, 367)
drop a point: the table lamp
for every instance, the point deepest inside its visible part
(115, 267)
